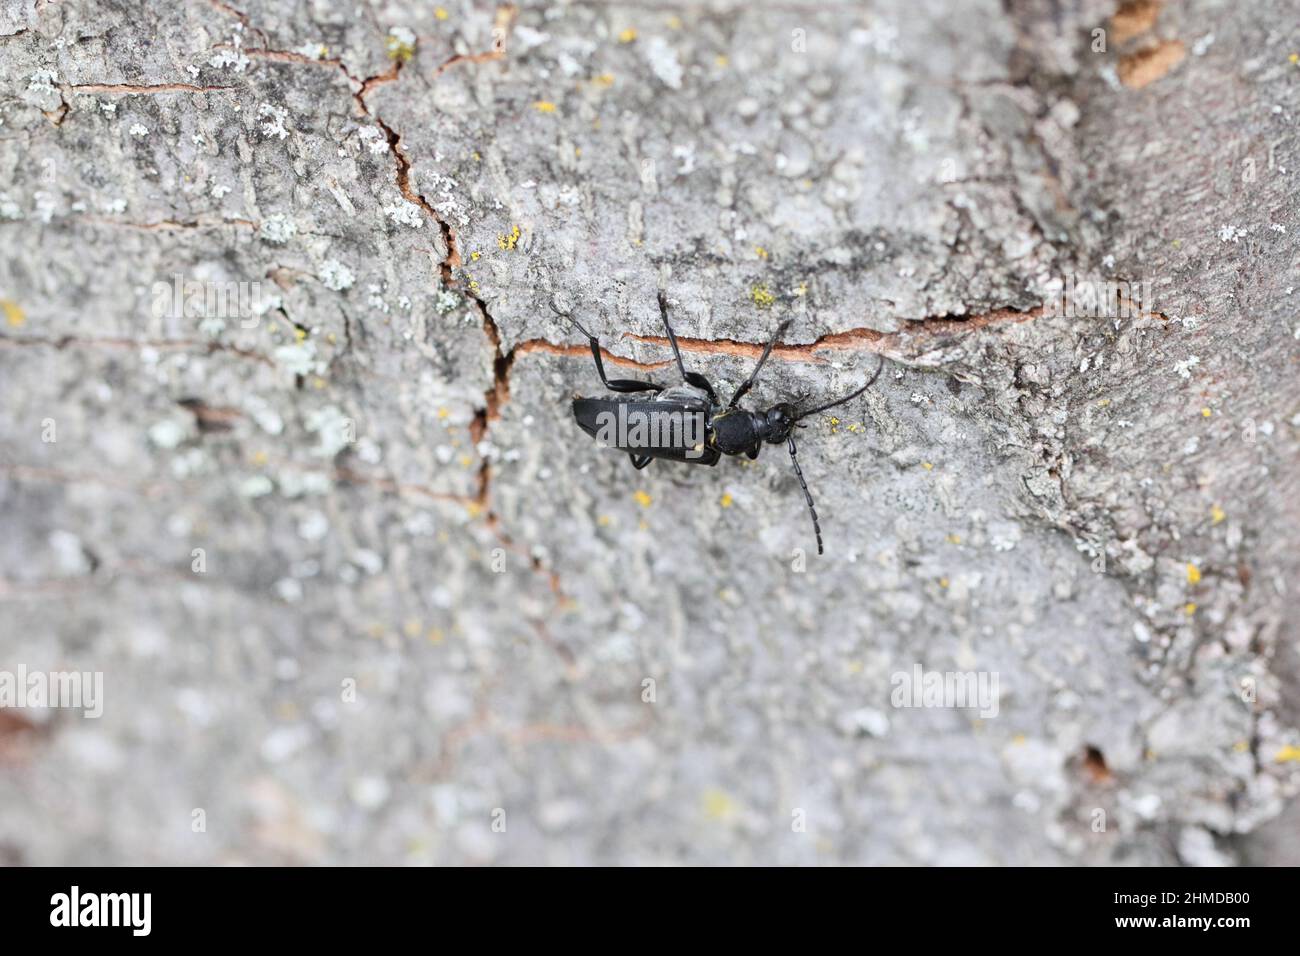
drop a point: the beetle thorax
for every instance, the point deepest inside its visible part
(736, 431)
(685, 395)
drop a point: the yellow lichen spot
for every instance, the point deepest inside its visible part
(509, 240)
(854, 667)
(604, 80)
(399, 49)
(478, 157)
(439, 13)
(943, 583)
(954, 539)
(628, 35)
(1294, 58)
(762, 296)
(1189, 609)
(475, 256)
(1193, 573)
(604, 521)
(722, 60)
(544, 106)
(727, 500)
(473, 285)
(259, 458)
(14, 314)
(412, 627)
(435, 636)
(1019, 740)
(928, 466)
(642, 499)
(331, 338)
(1216, 515)
(317, 382)
(1288, 754)
(1206, 413)
(466, 461)
(801, 289)
(1241, 746)
(760, 252)
(718, 806)
(474, 508)
(674, 22)
(1102, 403)
(443, 413)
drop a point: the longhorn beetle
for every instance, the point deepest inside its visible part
(688, 423)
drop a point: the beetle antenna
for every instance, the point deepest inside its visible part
(812, 510)
(846, 398)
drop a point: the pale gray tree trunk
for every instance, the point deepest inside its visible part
(287, 453)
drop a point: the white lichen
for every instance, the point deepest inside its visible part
(275, 117)
(445, 301)
(335, 275)
(255, 486)
(374, 140)
(298, 358)
(277, 228)
(404, 213)
(663, 61)
(333, 429)
(230, 58)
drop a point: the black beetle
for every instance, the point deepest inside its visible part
(688, 423)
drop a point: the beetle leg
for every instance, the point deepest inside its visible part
(699, 381)
(767, 350)
(672, 339)
(617, 384)
(639, 463)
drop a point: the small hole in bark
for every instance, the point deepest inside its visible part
(1094, 762)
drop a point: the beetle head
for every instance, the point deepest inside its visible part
(777, 423)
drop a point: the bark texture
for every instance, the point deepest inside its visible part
(359, 589)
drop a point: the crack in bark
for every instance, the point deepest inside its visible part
(854, 340)
(148, 488)
(167, 225)
(452, 257)
(400, 488)
(502, 23)
(498, 391)
(143, 88)
(165, 345)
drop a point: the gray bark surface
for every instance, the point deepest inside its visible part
(381, 470)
